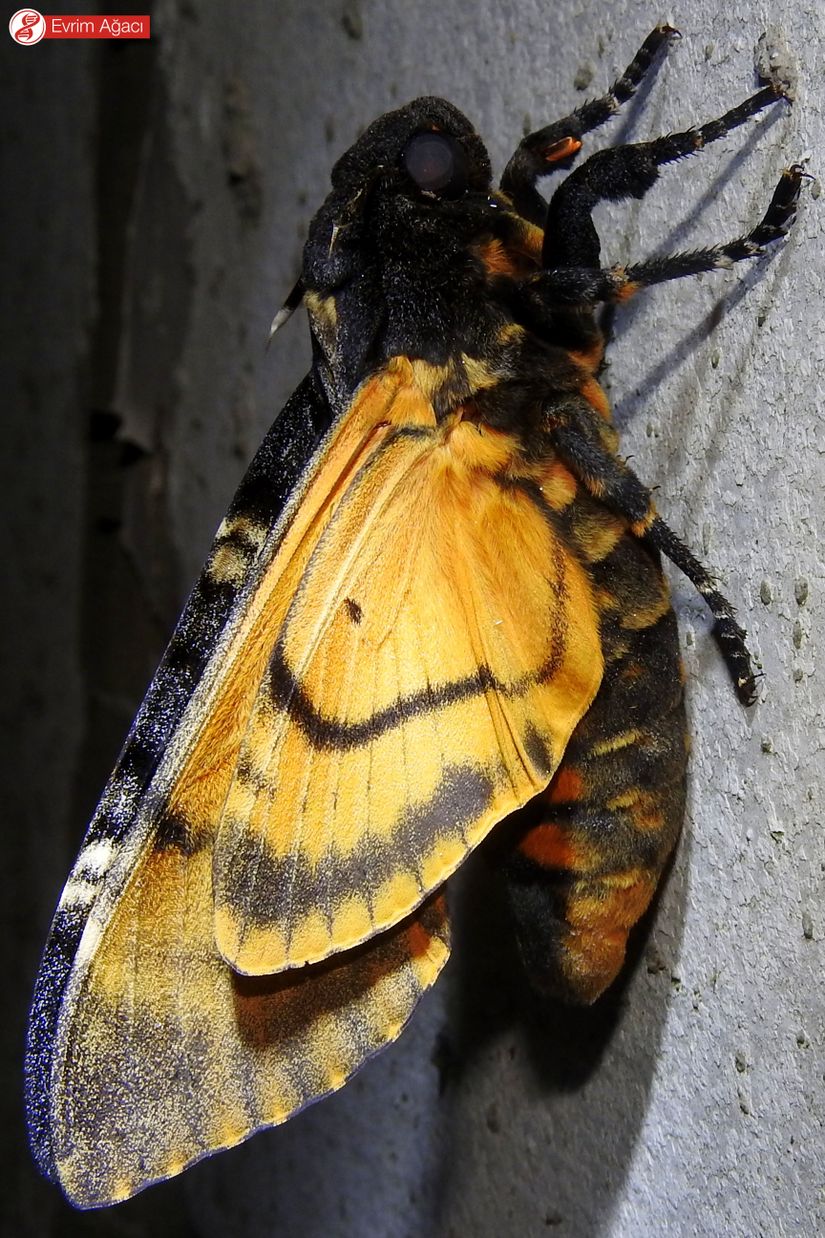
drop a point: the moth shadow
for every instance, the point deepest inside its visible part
(562, 1091)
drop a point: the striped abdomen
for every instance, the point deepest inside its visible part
(591, 848)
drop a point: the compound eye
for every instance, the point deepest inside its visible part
(437, 164)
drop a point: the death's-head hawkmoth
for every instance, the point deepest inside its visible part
(436, 602)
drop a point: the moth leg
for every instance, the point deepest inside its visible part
(587, 445)
(591, 848)
(570, 237)
(557, 144)
(587, 286)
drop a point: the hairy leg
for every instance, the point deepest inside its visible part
(570, 237)
(582, 285)
(557, 144)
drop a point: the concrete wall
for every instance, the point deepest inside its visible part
(691, 1100)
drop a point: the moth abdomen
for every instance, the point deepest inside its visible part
(592, 847)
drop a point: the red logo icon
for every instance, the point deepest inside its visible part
(27, 26)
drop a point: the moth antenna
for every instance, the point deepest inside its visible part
(288, 308)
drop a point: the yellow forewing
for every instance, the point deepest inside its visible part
(409, 670)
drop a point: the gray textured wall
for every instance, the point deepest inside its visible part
(171, 186)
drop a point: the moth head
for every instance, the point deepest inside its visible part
(408, 164)
(427, 147)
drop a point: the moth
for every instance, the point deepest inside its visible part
(436, 602)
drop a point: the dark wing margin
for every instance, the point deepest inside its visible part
(269, 483)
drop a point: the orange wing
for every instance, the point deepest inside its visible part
(408, 671)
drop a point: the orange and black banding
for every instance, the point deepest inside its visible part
(592, 847)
